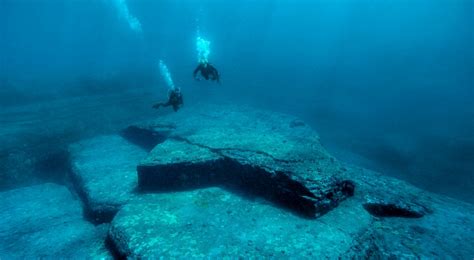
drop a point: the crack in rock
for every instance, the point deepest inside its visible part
(219, 150)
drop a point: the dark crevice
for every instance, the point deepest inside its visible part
(54, 166)
(147, 139)
(112, 248)
(392, 210)
(95, 218)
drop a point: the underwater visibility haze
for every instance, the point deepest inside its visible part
(210, 129)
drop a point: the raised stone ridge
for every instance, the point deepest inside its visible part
(104, 173)
(271, 154)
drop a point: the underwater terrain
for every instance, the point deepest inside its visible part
(244, 129)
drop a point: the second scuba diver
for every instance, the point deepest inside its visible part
(175, 99)
(207, 71)
(204, 67)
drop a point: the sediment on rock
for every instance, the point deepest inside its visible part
(45, 221)
(104, 184)
(181, 165)
(264, 153)
(179, 225)
(310, 198)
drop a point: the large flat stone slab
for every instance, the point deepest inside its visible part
(253, 155)
(104, 170)
(216, 223)
(448, 233)
(46, 221)
(273, 155)
(409, 222)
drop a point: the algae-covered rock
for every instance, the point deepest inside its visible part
(447, 232)
(408, 222)
(104, 171)
(270, 154)
(279, 158)
(46, 221)
(214, 223)
(217, 223)
(384, 196)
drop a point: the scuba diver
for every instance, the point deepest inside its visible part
(207, 72)
(175, 99)
(204, 67)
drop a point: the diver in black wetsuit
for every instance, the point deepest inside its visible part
(207, 71)
(175, 99)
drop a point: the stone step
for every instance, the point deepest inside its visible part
(104, 173)
(215, 223)
(266, 153)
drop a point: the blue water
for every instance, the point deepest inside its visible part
(388, 85)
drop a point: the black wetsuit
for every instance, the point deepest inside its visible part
(175, 99)
(207, 71)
